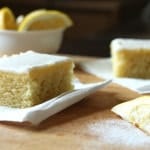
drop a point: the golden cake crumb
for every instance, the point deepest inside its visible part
(131, 58)
(31, 78)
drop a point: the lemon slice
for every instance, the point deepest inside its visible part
(7, 19)
(45, 20)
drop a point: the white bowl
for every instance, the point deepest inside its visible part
(45, 41)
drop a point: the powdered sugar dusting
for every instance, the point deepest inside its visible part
(120, 134)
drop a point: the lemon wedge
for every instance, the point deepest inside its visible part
(45, 20)
(7, 19)
(20, 18)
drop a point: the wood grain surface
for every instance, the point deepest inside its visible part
(87, 125)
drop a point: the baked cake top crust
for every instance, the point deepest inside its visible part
(129, 44)
(24, 62)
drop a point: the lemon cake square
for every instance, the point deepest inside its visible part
(131, 58)
(30, 78)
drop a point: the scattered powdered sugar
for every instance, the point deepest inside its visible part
(120, 134)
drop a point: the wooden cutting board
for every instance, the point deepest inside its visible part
(89, 124)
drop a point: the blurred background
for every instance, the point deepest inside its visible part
(96, 22)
